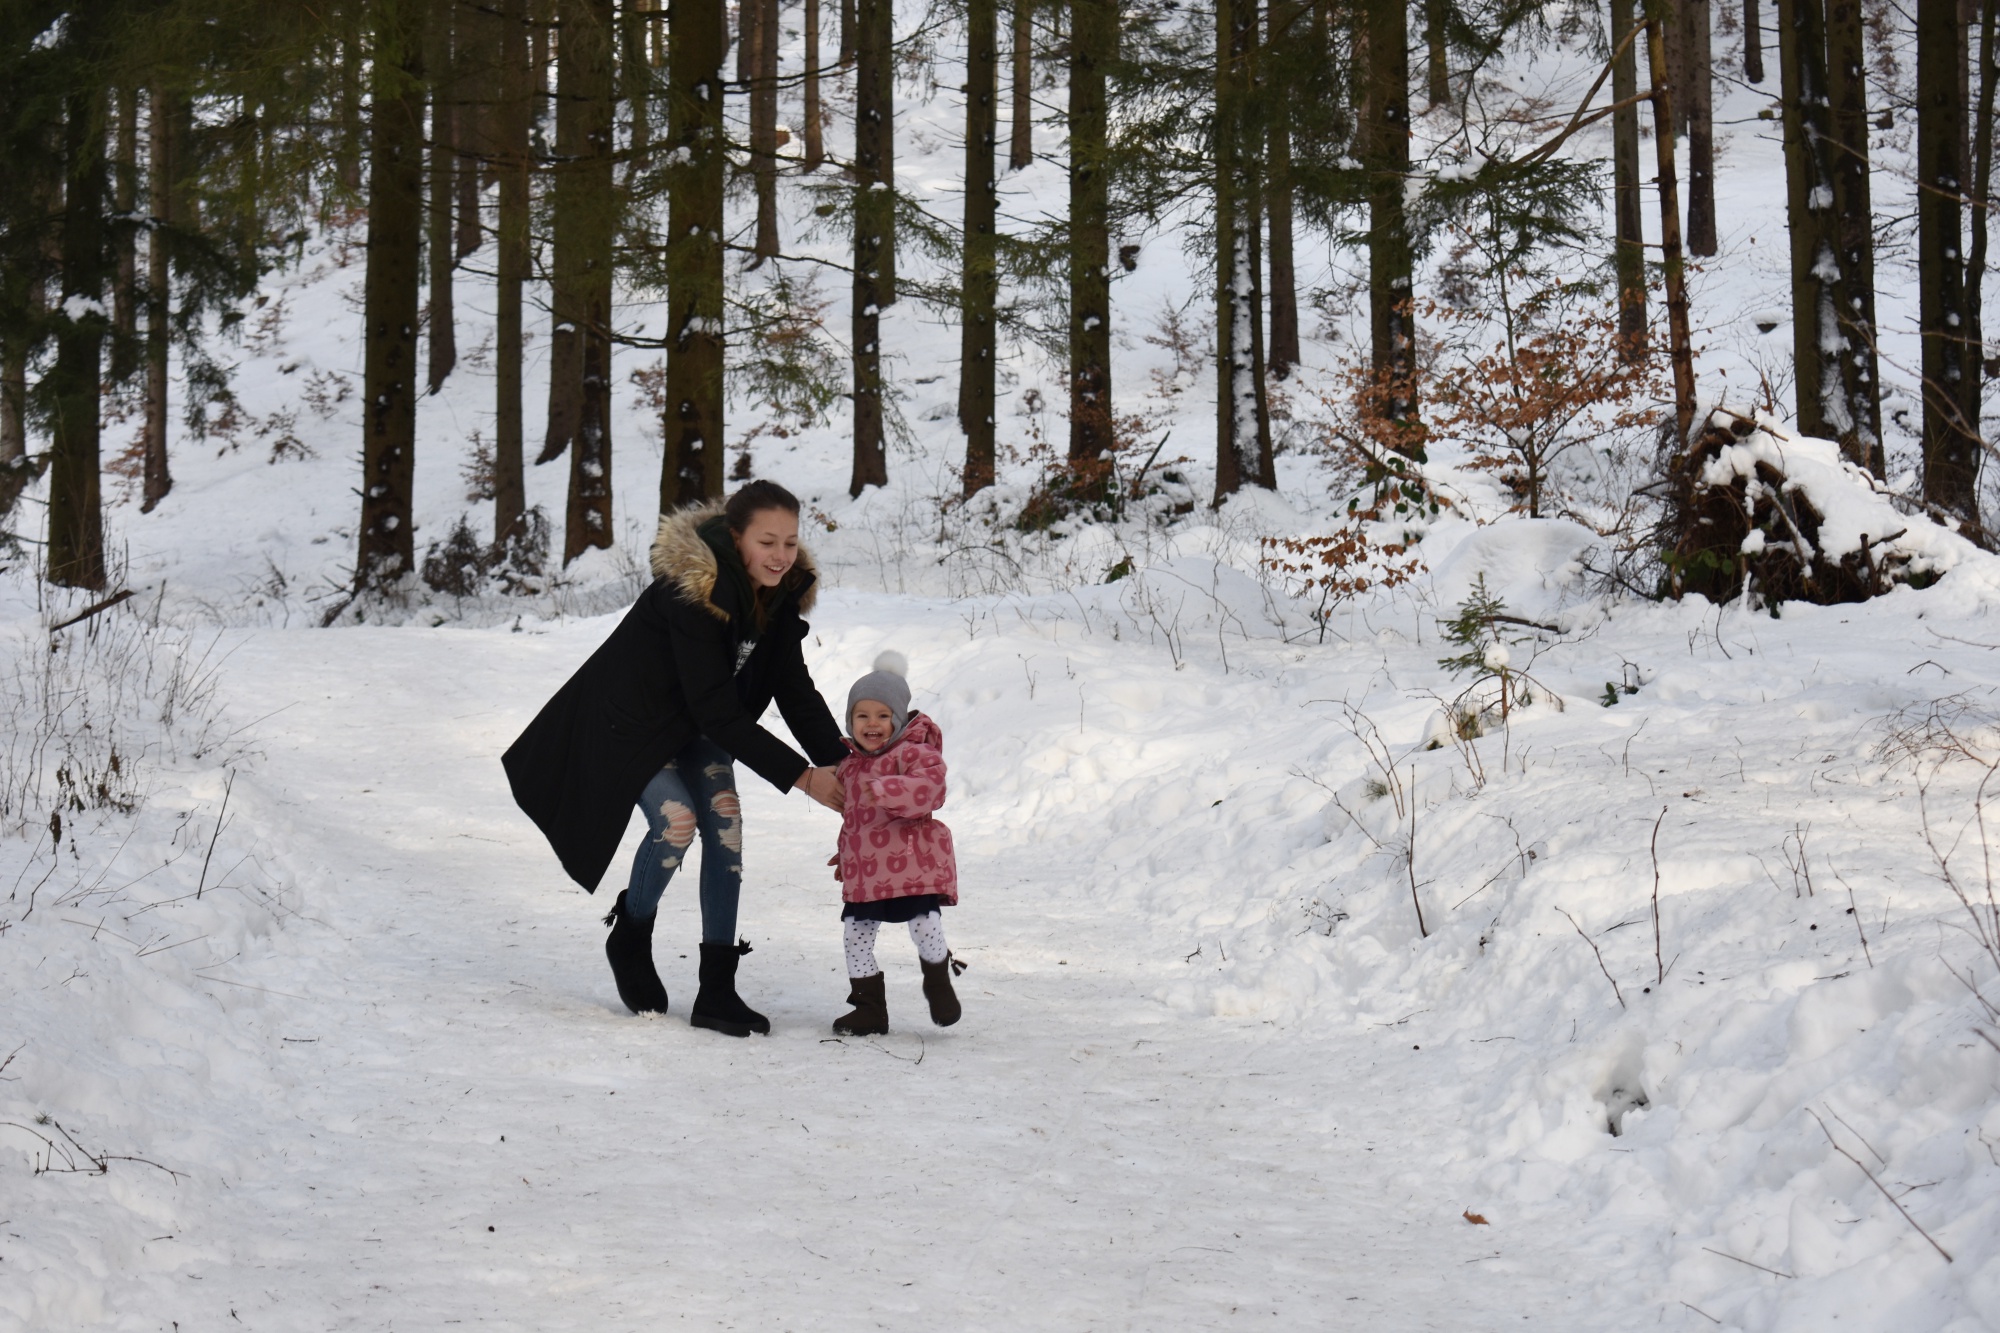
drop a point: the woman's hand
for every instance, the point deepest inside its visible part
(824, 787)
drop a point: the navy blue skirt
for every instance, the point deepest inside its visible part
(893, 909)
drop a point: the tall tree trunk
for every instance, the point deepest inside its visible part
(515, 113)
(157, 478)
(472, 99)
(1438, 49)
(693, 425)
(1853, 236)
(1701, 236)
(762, 27)
(395, 268)
(76, 513)
(353, 133)
(814, 113)
(541, 40)
(1242, 419)
(635, 80)
(980, 291)
(1753, 42)
(874, 237)
(847, 33)
(1385, 132)
(1680, 345)
(1972, 401)
(590, 46)
(1629, 254)
(125, 240)
(1021, 126)
(443, 193)
(1951, 443)
(1289, 22)
(566, 259)
(1093, 45)
(1831, 224)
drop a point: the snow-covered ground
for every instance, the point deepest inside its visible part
(340, 1035)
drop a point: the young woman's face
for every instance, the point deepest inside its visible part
(873, 724)
(769, 545)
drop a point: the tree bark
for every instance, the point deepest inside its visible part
(693, 425)
(1853, 236)
(471, 97)
(874, 239)
(976, 367)
(125, 240)
(1753, 42)
(1438, 49)
(1242, 417)
(1093, 45)
(847, 33)
(515, 114)
(590, 47)
(566, 257)
(635, 80)
(1629, 254)
(1680, 344)
(156, 477)
(1951, 445)
(76, 512)
(395, 266)
(1288, 23)
(814, 131)
(762, 27)
(1701, 237)
(1385, 131)
(443, 194)
(1021, 127)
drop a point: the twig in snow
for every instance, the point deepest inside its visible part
(1759, 1267)
(203, 882)
(1658, 964)
(1863, 1169)
(1703, 1313)
(95, 608)
(1422, 930)
(1600, 958)
(1855, 912)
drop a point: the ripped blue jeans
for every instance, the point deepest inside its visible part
(695, 793)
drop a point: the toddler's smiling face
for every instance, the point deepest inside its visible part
(872, 725)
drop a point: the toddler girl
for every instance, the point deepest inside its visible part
(895, 862)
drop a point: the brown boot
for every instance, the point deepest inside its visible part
(870, 1017)
(937, 989)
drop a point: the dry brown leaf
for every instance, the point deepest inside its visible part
(1475, 1218)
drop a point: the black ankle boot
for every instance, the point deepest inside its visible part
(717, 1006)
(630, 949)
(943, 999)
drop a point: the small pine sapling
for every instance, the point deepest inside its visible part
(1486, 653)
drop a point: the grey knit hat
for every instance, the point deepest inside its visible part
(886, 684)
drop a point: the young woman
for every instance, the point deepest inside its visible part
(657, 714)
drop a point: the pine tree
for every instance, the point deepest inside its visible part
(1680, 346)
(567, 259)
(761, 25)
(589, 47)
(976, 365)
(1629, 254)
(1289, 26)
(1696, 64)
(514, 114)
(157, 475)
(813, 113)
(1951, 445)
(76, 512)
(1242, 418)
(1753, 41)
(696, 150)
(443, 194)
(874, 235)
(390, 290)
(1093, 46)
(1021, 126)
(1385, 142)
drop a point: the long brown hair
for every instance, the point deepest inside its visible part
(749, 501)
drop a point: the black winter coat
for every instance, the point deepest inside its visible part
(686, 661)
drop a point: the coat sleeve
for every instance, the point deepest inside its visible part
(704, 658)
(917, 789)
(801, 704)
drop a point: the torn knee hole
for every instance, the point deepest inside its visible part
(680, 823)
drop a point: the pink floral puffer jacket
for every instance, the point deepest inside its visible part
(890, 846)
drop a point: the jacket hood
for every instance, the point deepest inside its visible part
(680, 554)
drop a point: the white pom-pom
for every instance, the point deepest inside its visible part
(894, 663)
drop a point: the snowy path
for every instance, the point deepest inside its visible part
(477, 1132)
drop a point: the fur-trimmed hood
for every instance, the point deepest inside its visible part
(680, 554)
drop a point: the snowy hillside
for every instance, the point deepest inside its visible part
(1309, 982)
